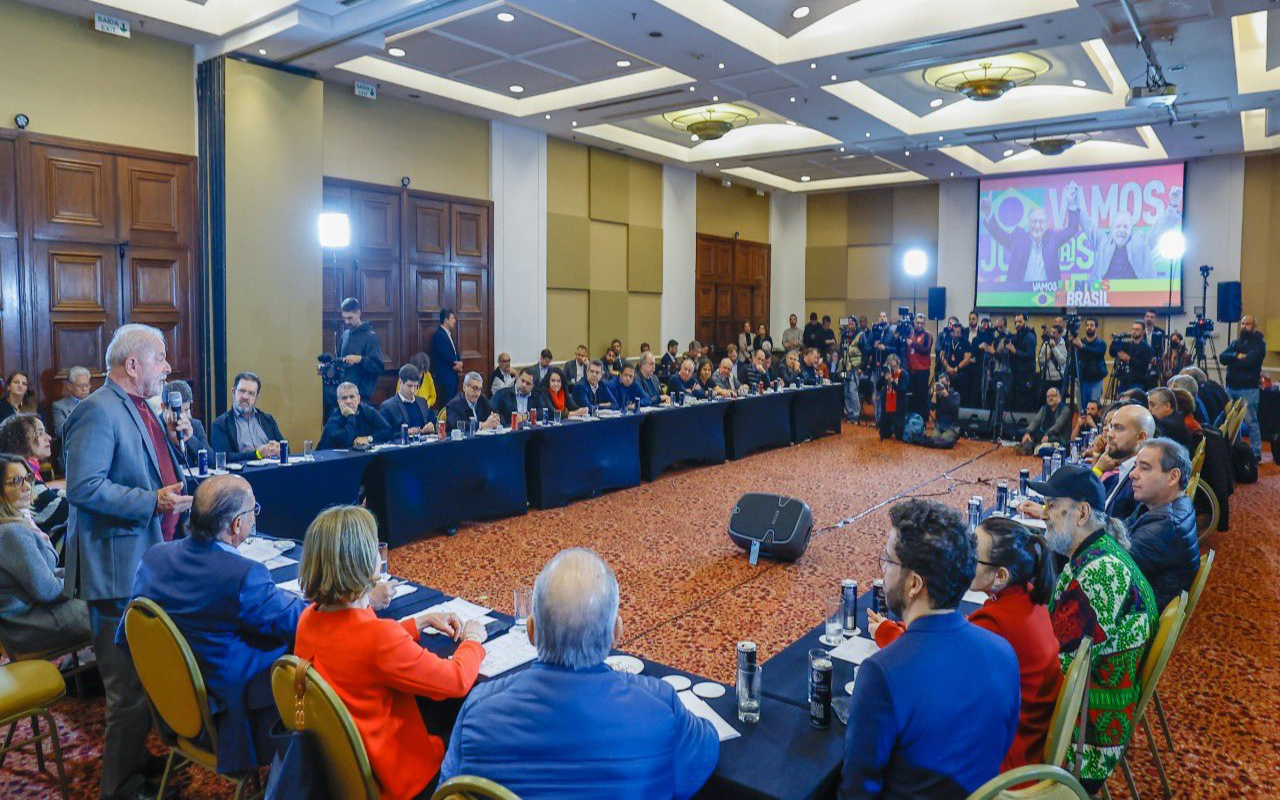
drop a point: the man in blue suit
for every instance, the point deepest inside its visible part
(446, 363)
(230, 612)
(1131, 427)
(626, 390)
(570, 725)
(592, 393)
(405, 407)
(936, 717)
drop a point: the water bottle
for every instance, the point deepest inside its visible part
(1056, 461)
(975, 513)
(1046, 467)
(1075, 453)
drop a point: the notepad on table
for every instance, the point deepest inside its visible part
(506, 653)
(855, 650)
(699, 708)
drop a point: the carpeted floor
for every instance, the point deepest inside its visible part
(688, 594)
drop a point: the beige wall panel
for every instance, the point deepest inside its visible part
(610, 182)
(869, 268)
(381, 141)
(824, 272)
(915, 214)
(609, 315)
(828, 219)
(566, 321)
(568, 252)
(725, 211)
(567, 178)
(645, 187)
(73, 81)
(644, 259)
(870, 218)
(644, 323)
(608, 256)
(274, 194)
(868, 307)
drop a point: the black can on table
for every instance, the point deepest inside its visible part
(1002, 498)
(284, 452)
(1024, 476)
(820, 672)
(849, 604)
(746, 654)
(877, 596)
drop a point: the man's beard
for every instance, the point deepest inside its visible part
(894, 600)
(1059, 541)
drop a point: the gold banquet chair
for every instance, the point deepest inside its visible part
(27, 688)
(1197, 589)
(1051, 783)
(469, 787)
(175, 687)
(1206, 522)
(306, 702)
(1072, 707)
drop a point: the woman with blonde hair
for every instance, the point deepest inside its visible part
(376, 665)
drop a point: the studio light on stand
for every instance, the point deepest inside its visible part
(335, 230)
(1171, 246)
(915, 263)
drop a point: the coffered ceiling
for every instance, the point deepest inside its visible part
(841, 93)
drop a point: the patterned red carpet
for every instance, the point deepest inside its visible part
(688, 594)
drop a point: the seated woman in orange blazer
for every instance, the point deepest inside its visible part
(376, 665)
(1015, 567)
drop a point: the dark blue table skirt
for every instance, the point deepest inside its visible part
(756, 422)
(422, 489)
(816, 412)
(687, 433)
(292, 496)
(573, 460)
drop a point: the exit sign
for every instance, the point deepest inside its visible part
(115, 26)
(367, 90)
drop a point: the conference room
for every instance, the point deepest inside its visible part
(489, 399)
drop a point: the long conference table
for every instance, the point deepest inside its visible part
(421, 489)
(781, 755)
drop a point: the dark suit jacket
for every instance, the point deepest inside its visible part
(227, 440)
(1017, 243)
(237, 624)
(1122, 504)
(340, 431)
(1175, 427)
(443, 354)
(504, 404)
(457, 410)
(586, 398)
(394, 412)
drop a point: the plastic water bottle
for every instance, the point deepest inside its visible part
(975, 513)
(1056, 463)
(1075, 453)
(1046, 467)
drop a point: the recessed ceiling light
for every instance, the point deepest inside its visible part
(841, 149)
(800, 13)
(791, 122)
(833, 77)
(868, 134)
(813, 65)
(692, 89)
(717, 163)
(720, 65)
(939, 138)
(575, 123)
(715, 98)
(935, 102)
(547, 116)
(515, 88)
(1078, 82)
(262, 52)
(506, 16)
(623, 63)
(792, 99)
(906, 152)
(393, 51)
(804, 178)
(1008, 152)
(693, 137)
(953, 174)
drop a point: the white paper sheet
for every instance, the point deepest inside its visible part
(974, 597)
(505, 653)
(265, 552)
(1033, 524)
(295, 587)
(855, 650)
(699, 708)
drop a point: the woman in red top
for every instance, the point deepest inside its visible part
(376, 665)
(1015, 567)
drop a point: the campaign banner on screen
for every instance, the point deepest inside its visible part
(1079, 239)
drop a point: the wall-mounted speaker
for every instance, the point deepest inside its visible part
(937, 302)
(1230, 307)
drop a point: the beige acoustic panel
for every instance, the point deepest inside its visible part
(915, 214)
(644, 323)
(568, 252)
(568, 185)
(732, 210)
(644, 259)
(824, 272)
(610, 182)
(870, 219)
(567, 314)
(869, 267)
(828, 219)
(609, 315)
(869, 307)
(608, 256)
(645, 187)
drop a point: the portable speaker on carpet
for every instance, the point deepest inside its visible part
(771, 525)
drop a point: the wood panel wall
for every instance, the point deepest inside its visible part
(412, 253)
(93, 236)
(732, 285)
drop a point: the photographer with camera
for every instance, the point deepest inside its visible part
(891, 409)
(955, 359)
(1050, 426)
(982, 345)
(358, 359)
(1132, 357)
(919, 362)
(1243, 360)
(1091, 357)
(1053, 358)
(945, 402)
(1021, 348)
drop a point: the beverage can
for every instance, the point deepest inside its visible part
(746, 654)
(849, 604)
(404, 433)
(515, 420)
(284, 452)
(877, 596)
(820, 671)
(1002, 498)
(202, 462)
(975, 513)
(1024, 476)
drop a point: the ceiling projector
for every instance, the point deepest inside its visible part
(1155, 96)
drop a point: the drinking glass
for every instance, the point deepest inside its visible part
(384, 565)
(749, 692)
(220, 462)
(555, 417)
(833, 627)
(309, 450)
(523, 604)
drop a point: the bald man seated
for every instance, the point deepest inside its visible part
(571, 726)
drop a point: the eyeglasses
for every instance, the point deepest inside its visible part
(28, 479)
(990, 564)
(257, 509)
(885, 560)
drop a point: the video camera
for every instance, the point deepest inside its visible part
(1072, 321)
(1202, 327)
(906, 323)
(330, 369)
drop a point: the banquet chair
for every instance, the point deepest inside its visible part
(27, 688)
(1072, 708)
(1051, 783)
(7, 650)
(307, 702)
(1197, 588)
(174, 685)
(470, 787)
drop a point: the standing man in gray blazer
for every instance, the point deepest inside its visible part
(126, 493)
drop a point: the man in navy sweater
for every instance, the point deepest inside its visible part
(933, 718)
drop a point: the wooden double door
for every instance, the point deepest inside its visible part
(411, 255)
(93, 236)
(732, 286)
